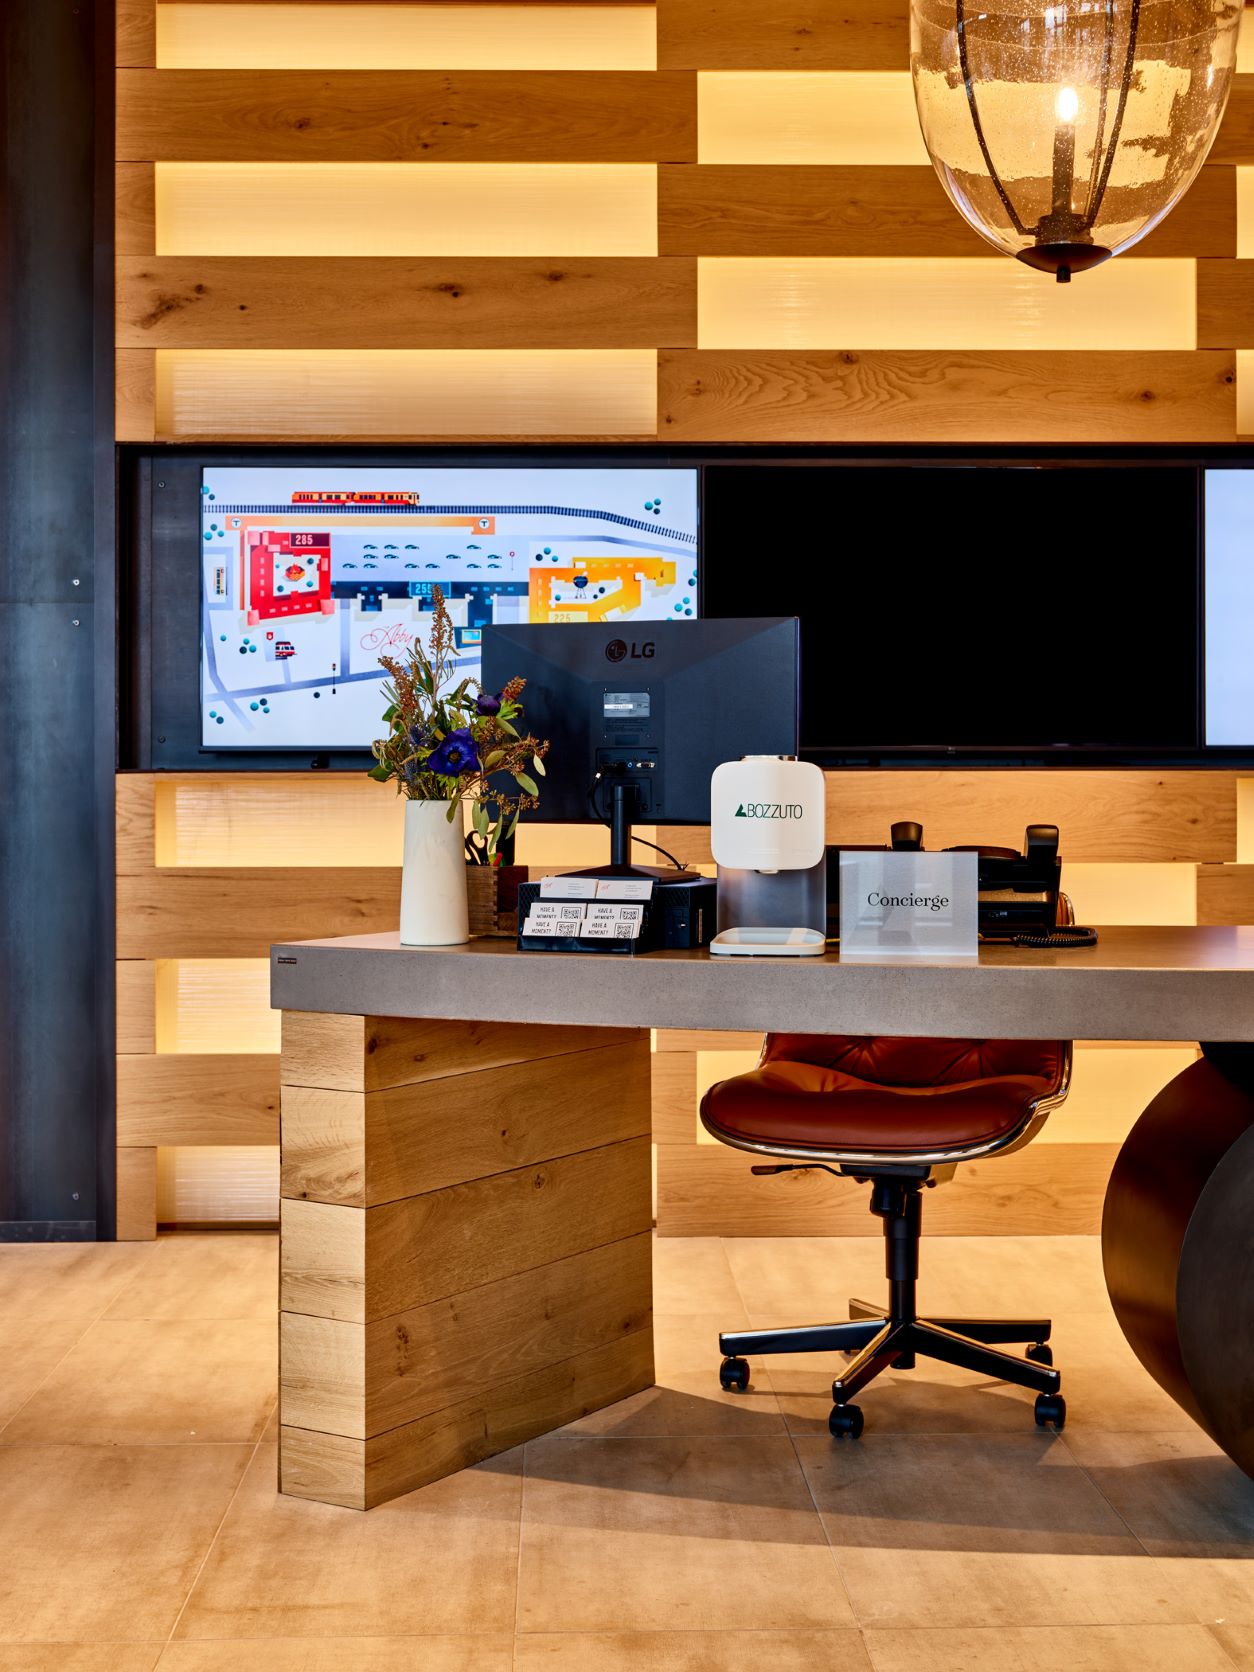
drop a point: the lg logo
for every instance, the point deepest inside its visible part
(617, 650)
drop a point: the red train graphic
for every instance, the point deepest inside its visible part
(316, 498)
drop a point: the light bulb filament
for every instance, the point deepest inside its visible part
(1067, 104)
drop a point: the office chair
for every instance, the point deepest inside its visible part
(899, 1115)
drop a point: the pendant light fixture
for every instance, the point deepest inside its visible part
(1064, 130)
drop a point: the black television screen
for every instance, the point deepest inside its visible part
(971, 609)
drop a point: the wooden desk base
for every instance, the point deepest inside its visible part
(465, 1251)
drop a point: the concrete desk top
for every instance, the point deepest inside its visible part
(1137, 983)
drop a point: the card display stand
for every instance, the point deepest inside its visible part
(647, 939)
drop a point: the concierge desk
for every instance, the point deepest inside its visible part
(465, 1252)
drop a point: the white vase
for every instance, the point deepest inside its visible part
(433, 877)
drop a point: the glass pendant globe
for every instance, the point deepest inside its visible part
(1064, 130)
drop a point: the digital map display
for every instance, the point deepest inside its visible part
(309, 575)
(1229, 608)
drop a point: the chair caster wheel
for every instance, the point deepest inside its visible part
(733, 1374)
(1051, 1409)
(1042, 1353)
(845, 1421)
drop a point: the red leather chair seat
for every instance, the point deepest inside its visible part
(822, 1091)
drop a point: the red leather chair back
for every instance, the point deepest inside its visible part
(918, 1063)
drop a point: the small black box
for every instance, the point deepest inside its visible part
(685, 912)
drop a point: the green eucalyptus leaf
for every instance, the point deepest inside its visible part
(527, 785)
(537, 765)
(480, 818)
(506, 727)
(454, 807)
(379, 773)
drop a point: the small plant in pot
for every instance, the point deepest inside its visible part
(447, 744)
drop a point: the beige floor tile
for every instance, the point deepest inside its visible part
(1011, 1276)
(1189, 1506)
(156, 1383)
(224, 1275)
(1048, 1649)
(65, 1281)
(103, 1542)
(441, 1561)
(78, 1657)
(342, 1654)
(685, 1405)
(693, 1534)
(1238, 1645)
(967, 1530)
(30, 1351)
(686, 1343)
(806, 1276)
(693, 1651)
(1105, 1384)
(692, 1274)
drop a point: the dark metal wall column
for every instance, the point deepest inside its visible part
(57, 621)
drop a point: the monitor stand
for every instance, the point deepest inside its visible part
(622, 805)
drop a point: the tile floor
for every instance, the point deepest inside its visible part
(683, 1531)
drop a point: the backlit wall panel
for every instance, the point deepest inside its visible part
(269, 394)
(902, 304)
(759, 116)
(326, 36)
(679, 135)
(390, 209)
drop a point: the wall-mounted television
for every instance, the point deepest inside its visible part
(1228, 695)
(983, 610)
(976, 607)
(311, 572)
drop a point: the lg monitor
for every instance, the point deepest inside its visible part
(639, 717)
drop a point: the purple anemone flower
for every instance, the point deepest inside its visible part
(455, 755)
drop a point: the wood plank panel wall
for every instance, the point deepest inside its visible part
(706, 212)
(643, 130)
(203, 874)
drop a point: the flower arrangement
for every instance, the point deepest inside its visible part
(456, 745)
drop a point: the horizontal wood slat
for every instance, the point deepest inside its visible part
(1235, 141)
(1225, 304)
(916, 395)
(746, 209)
(135, 209)
(420, 1249)
(214, 1099)
(371, 1053)
(185, 913)
(674, 1097)
(361, 1380)
(1043, 1190)
(420, 115)
(400, 302)
(792, 35)
(137, 1194)
(705, 1039)
(358, 1474)
(1225, 894)
(135, 395)
(358, 1149)
(1129, 817)
(136, 32)
(136, 1032)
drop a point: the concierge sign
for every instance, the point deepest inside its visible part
(908, 905)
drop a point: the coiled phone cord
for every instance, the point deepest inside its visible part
(1071, 935)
